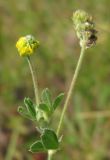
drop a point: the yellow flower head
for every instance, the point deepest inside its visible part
(27, 45)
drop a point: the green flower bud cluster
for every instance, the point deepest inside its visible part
(85, 29)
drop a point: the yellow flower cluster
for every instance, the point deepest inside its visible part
(27, 45)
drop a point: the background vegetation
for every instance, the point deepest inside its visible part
(87, 123)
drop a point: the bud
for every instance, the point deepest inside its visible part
(85, 28)
(27, 45)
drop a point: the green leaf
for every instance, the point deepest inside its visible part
(57, 100)
(44, 107)
(30, 107)
(23, 112)
(46, 97)
(37, 147)
(49, 139)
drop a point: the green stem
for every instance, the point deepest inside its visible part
(72, 85)
(50, 155)
(35, 83)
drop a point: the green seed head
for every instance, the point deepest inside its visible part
(85, 29)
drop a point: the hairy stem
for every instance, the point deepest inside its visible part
(71, 88)
(35, 83)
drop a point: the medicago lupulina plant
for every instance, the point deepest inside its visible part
(43, 108)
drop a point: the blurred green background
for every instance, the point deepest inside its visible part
(86, 130)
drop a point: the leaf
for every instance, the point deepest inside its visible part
(46, 97)
(44, 107)
(49, 139)
(30, 107)
(57, 100)
(23, 112)
(37, 147)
